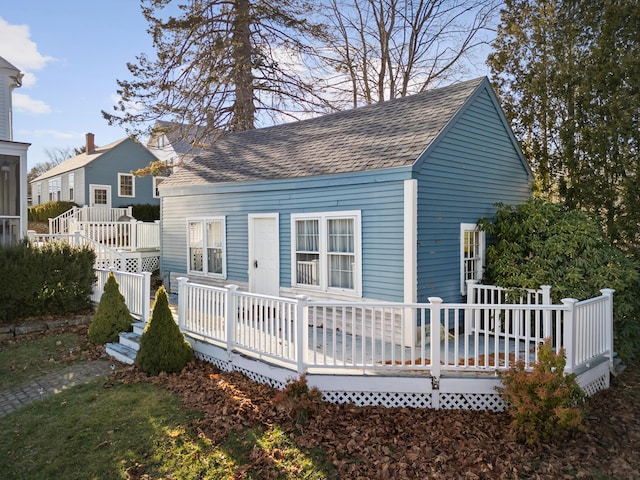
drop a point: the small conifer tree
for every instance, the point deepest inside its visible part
(162, 345)
(112, 315)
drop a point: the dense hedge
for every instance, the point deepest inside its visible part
(146, 212)
(41, 213)
(52, 279)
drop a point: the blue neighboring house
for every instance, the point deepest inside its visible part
(100, 177)
(378, 202)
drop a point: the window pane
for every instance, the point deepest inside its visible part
(126, 185)
(195, 246)
(340, 235)
(214, 260)
(307, 236)
(307, 268)
(341, 271)
(214, 234)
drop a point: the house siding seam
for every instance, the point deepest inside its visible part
(381, 205)
(472, 167)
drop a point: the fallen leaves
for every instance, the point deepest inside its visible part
(411, 443)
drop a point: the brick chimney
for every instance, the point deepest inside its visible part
(91, 146)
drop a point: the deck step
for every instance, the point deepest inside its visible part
(131, 340)
(138, 327)
(122, 353)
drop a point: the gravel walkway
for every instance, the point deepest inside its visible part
(39, 388)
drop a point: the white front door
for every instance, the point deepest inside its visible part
(100, 196)
(264, 254)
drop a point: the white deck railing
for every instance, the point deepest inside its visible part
(60, 224)
(332, 337)
(134, 287)
(130, 235)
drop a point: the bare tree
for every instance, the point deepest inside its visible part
(385, 49)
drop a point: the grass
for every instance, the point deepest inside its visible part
(26, 360)
(119, 431)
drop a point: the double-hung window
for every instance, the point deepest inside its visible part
(207, 246)
(126, 185)
(55, 187)
(472, 245)
(72, 182)
(157, 181)
(326, 249)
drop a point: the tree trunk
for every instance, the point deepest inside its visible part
(243, 108)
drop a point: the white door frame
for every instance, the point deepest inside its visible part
(92, 188)
(252, 248)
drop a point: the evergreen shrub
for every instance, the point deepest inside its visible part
(163, 348)
(42, 213)
(51, 279)
(539, 243)
(146, 212)
(544, 403)
(112, 315)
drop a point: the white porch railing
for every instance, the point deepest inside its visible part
(334, 337)
(106, 257)
(60, 224)
(131, 235)
(134, 287)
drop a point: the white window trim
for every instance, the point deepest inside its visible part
(155, 186)
(466, 227)
(71, 187)
(323, 218)
(203, 221)
(133, 185)
(56, 182)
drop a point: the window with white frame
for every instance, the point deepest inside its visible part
(472, 243)
(71, 186)
(38, 193)
(326, 249)
(126, 185)
(157, 181)
(55, 187)
(207, 249)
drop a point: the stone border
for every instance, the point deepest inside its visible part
(9, 332)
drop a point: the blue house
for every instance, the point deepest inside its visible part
(100, 177)
(378, 202)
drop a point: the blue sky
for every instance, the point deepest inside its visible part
(71, 52)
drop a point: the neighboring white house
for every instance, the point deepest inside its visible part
(13, 163)
(176, 143)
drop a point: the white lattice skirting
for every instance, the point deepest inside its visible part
(461, 392)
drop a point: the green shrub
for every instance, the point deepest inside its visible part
(146, 212)
(544, 403)
(41, 213)
(112, 315)
(539, 243)
(298, 401)
(163, 348)
(52, 279)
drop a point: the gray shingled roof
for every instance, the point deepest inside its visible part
(385, 135)
(79, 161)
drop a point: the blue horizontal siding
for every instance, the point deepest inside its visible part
(473, 166)
(381, 202)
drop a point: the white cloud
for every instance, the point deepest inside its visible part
(26, 104)
(56, 134)
(18, 49)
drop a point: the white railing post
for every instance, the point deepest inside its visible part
(133, 234)
(435, 306)
(471, 299)
(546, 315)
(130, 211)
(183, 299)
(608, 292)
(302, 321)
(146, 296)
(84, 216)
(568, 333)
(231, 316)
